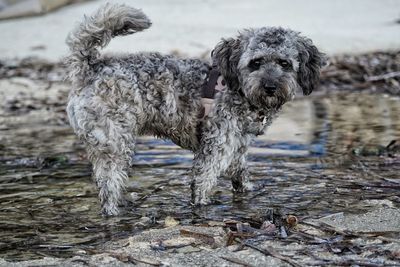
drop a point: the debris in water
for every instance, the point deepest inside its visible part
(291, 221)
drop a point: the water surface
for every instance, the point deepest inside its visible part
(304, 165)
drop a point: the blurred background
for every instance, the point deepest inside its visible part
(194, 27)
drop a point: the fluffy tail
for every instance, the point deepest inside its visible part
(96, 32)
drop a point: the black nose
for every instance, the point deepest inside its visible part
(270, 88)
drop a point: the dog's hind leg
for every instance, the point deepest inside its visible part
(110, 173)
(110, 141)
(110, 150)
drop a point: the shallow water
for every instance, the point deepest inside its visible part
(304, 165)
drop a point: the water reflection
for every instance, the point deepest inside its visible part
(48, 205)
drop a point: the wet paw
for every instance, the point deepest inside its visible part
(242, 187)
(199, 198)
(202, 201)
(110, 210)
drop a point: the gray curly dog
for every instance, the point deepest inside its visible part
(118, 97)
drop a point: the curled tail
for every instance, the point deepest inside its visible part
(96, 32)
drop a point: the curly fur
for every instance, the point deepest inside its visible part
(116, 98)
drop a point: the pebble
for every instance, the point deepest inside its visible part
(169, 222)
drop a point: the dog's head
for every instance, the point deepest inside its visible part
(269, 64)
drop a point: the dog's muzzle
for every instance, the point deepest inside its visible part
(270, 89)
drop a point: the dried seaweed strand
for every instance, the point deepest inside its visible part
(237, 261)
(208, 239)
(124, 257)
(383, 76)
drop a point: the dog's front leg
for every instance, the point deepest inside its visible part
(238, 172)
(206, 169)
(215, 155)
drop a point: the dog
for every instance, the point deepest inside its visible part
(116, 98)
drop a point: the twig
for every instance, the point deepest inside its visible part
(327, 228)
(383, 76)
(237, 261)
(312, 238)
(269, 252)
(56, 246)
(208, 239)
(124, 257)
(156, 189)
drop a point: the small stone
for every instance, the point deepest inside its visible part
(283, 232)
(134, 196)
(215, 223)
(268, 227)
(170, 222)
(179, 242)
(292, 221)
(396, 254)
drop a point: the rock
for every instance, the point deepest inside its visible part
(188, 249)
(81, 208)
(80, 252)
(379, 203)
(268, 227)
(378, 220)
(134, 196)
(178, 242)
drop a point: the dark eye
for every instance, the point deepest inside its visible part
(255, 64)
(284, 63)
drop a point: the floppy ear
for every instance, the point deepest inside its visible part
(226, 56)
(311, 61)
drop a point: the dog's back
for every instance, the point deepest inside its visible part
(171, 86)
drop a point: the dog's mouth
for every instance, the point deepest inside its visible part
(270, 94)
(266, 99)
(273, 97)
(275, 92)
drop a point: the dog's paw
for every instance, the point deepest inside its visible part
(110, 209)
(244, 187)
(200, 199)
(203, 201)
